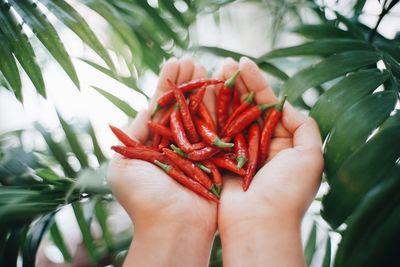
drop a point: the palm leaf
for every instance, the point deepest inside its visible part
(58, 240)
(119, 103)
(9, 68)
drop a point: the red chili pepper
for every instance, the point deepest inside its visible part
(125, 139)
(206, 115)
(195, 100)
(245, 119)
(155, 140)
(239, 110)
(184, 109)
(190, 184)
(228, 164)
(164, 120)
(271, 121)
(223, 99)
(168, 96)
(165, 142)
(197, 155)
(240, 150)
(178, 132)
(190, 169)
(235, 99)
(254, 142)
(160, 129)
(198, 145)
(143, 153)
(216, 175)
(208, 135)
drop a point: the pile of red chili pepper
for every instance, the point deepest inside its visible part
(194, 150)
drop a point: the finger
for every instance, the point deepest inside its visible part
(255, 81)
(199, 72)
(186, 67)
(138, 129)
(169, 71)
(279, 144)
(229, 67)
(305, 130)
(281, 131)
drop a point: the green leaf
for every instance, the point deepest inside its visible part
(74, 21)
(169, 5)
(33, 238)
(351, 26)
(102, 215)
(326, 262)
(311, 245)
(46, 33)
(73, 142)
(371, 238)
(9, 68)
(128, 81)
(360, 172)
(119, 103)
(48, 175)
(85, 230)
(58, 240)
(96, 147)
(22, 49)
(273, 70)
(320, 47)
(219, 52)
(358, 7)
(353, 128)
(110, 14)
(324, 31)
(328, 69)
(335, 101)
(13, 243)
(57, 151)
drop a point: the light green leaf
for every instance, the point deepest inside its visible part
(336, 100)
(46, 33)
(178, 16)
(273, 70)
(323, 31)
(360, 172)
(22, 49)
(58, 240)
(96, 147)
(320, 47)
(74, 21)
(219, 52)
(102, 215)
(119, 103)
(311, 245)
(328, 69)
(85, 230)
(57, 151)
(76, 147)
(33, 238)
(353, 128)
(9, 68)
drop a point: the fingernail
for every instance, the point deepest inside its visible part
(245, 60)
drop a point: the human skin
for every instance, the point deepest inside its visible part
(260, 227)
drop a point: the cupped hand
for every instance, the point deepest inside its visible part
(147, 193)
(285, 186)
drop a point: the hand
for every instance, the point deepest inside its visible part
(269, 214)
(173, 226)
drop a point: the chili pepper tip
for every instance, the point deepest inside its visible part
(214, 190)
(230, 83)
(241, 161)
(250, 97)
(279, 106)
(219, 189)
(267, 106)
(219, 143)
(164, 167)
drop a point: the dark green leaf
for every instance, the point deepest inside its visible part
(351, 26)
(46, 33)
(96, 147)
(8, 67)
(57, 151)
(334, 102)
(73, 142)
(73, 20)
(220, 52)
(360, 172)
(311, 245)
(326, 262)
(169, 5)
(328, 69)
(12, 246)
(320, 47)
(58, 240)
(119, 103)
(23, 50)
(358, 7)
(353, 128)
(322, 31)
(102, 215)
(273, 70)
(33, 238)
(85, 230)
